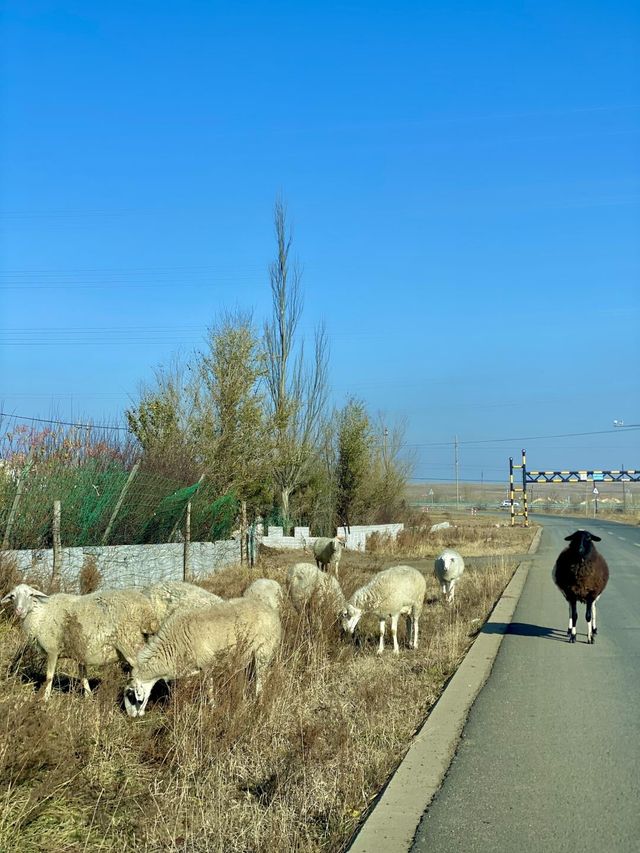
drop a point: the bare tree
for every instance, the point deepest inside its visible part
(297, 391)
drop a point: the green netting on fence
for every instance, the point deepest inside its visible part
(223, 514)
(150, 508)
(163, 522)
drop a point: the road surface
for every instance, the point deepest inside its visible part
(549, 760)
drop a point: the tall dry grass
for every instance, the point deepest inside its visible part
(294, 770)
(473, 536)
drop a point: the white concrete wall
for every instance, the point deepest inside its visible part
(138, 565)
(276, 539)
(356, 538)
(134, 565)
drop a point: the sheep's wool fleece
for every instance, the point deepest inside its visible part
(191, 640)
(455, 569)
(391, 590)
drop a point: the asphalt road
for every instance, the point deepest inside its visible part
(550, 756)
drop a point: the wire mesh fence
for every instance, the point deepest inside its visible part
(106, 496)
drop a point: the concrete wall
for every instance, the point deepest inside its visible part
(138, 565)
(134, 565)
(355, 539)
(276, 539)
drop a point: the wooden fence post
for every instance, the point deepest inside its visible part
(14, 507)
(120, 501)
(187, 542)
(57, 547)
(244, 555)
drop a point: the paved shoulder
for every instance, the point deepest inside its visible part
(549, 754)
(392, 824)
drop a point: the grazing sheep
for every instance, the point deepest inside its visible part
(581, 574)
(266, 590)
(306, 581)
(394, 591)
(167, 596)
(99, 628)
(190, 641)
(325, 550)
(448, 567)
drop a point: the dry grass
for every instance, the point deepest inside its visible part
(292, 771)
(473, 536)
(90, 578)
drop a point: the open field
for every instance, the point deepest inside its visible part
(293, 771)
(616, 501)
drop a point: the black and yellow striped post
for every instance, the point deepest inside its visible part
(511, 492)
(525, 508)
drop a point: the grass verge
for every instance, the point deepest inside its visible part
(292, 771)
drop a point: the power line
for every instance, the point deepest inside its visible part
(426, 444)
(64, 423)
(519, 438)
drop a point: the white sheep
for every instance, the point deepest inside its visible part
(327, 550)
(448, 568)
(390, 593)
(266, 590)
(167, 596)
(306, 582)
(99, 628)
(191, 641)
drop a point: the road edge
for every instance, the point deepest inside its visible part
(394, 820)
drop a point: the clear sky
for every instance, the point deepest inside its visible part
(464, 184)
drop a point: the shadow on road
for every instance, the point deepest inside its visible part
(524, 629)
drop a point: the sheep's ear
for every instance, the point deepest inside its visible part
(595, 538)
(8, 597)
(39, 596)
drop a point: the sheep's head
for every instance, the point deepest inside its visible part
(350, 617)
(581, 541)
(24, 598)
(136, 696)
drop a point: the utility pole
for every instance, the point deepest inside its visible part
(455, 453)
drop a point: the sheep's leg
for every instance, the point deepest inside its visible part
(593, 619)
(410, 622)
(82, 672)
(452, 589)
(381, 643)
(573, 620)
(444, 590)
(589, 614)
(257, 667)
(52, 660)
(394, 633)
(414, 620)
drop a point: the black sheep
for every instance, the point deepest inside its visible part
(581, 574)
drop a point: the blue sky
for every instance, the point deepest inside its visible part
(464, 185)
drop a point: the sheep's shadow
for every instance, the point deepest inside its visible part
(524, 629)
